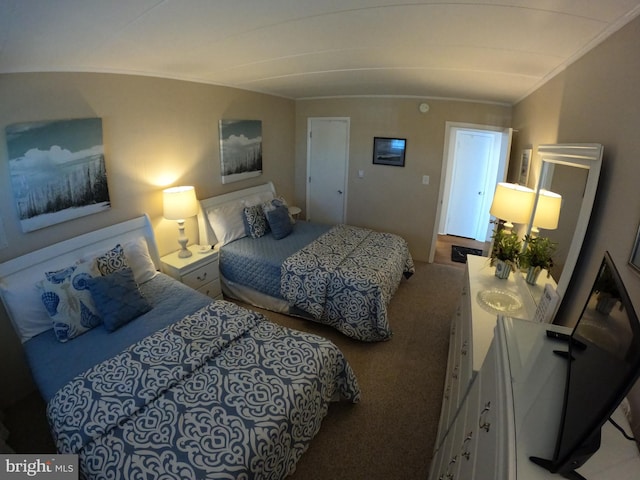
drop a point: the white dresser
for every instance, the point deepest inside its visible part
(503, 394)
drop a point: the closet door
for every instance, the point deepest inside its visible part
(327, 161)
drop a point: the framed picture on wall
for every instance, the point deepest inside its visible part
(525, 165)
(57, 170)
(389, 151)
(240, 149)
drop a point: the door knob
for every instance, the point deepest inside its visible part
(340, 192)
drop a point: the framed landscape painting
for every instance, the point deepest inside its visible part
(240, 149)
(57, 171)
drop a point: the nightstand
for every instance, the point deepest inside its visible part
(199, 271)
(294, 211)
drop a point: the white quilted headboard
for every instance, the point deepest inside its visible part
(207, 236)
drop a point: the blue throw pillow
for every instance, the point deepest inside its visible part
(279, 222)
(117, 298)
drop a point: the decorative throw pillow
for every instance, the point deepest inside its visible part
(278, 219)
(118, 298)
(255, 223)
(111, 261)
(68, 301)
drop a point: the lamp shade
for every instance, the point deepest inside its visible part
(512, 202)
(179, 203)
(547, 210)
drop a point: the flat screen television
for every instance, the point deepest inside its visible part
(603, 363)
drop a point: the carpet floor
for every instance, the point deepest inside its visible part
(390, 434)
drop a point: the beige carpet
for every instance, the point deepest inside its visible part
(390, 433)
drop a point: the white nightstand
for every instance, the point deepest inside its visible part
(294, 211)
(199, 271)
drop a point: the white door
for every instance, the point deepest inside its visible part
(327, 159)
(473, 152)
(497, 172)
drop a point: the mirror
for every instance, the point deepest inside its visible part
(571, 170)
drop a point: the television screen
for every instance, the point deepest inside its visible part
(603, 364)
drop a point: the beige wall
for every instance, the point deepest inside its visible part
(596, 100)
(390, 198)
(156, 132)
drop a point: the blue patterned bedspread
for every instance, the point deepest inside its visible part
(221, 394)
(346, 279)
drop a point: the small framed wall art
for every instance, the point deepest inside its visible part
(525, 164)
(389, 151)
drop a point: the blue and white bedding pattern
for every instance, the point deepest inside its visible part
(222, 393)
(346, 279)
(256, 262)
(53, 363)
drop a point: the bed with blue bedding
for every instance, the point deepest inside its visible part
(342, 276)
(188, 388)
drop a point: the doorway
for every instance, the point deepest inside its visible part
(475, 158)
(327, 162)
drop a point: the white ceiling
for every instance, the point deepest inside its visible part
(484, 50)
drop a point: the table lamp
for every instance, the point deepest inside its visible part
(512, 203)
(547, 211)
(180, 203)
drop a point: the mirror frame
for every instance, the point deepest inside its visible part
(581, 155)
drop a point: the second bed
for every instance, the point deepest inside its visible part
(342, 276)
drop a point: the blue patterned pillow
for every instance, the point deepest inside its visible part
(118, 298)
(68, 301)
(255, 223)
(278, 218)
(112, 261)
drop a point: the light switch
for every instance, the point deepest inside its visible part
(360, 173)
(425, 179)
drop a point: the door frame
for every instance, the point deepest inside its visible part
(346, 163)
(448, 157)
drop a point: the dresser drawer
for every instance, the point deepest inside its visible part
(212, 289)
(201, 276)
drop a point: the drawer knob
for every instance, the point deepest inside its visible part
(202, 277)
(465, 446)
(482, 423)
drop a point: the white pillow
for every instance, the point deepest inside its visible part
(139, 260)
(258, 199)
(25, 307)
(226, 221)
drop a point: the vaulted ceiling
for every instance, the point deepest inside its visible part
(481, 50)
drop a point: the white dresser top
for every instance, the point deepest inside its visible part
(481, 278)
